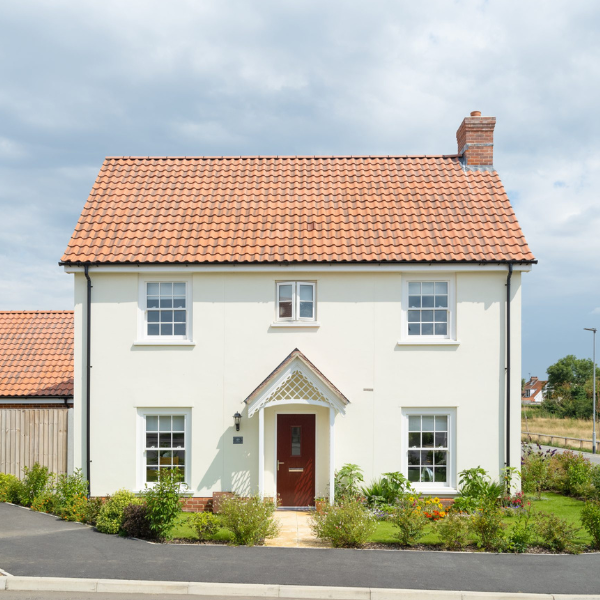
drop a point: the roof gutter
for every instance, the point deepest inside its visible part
(87, 376)
(508, 282)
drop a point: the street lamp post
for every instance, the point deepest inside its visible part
(593, 330)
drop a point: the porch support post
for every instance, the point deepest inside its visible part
(331, 455)
(261, 452)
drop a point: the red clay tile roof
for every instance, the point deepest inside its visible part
(295, 209)
(36, 353)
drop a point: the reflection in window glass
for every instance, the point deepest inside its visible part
(165, 445)
(428, 448)
(166, 312)
(428, 308)
(296, 441)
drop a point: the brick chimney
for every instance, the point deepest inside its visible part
(475, 138)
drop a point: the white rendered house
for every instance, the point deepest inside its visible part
(347, 309)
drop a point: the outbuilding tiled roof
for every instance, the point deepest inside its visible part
(36, 353)
(295, 209)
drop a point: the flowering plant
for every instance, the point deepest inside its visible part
(434, 509)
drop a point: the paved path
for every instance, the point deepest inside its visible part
(295, 531)
(40, 545)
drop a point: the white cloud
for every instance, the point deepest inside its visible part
(146, 77)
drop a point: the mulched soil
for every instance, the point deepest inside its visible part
(469, 548)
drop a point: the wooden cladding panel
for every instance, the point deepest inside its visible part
(28, 436)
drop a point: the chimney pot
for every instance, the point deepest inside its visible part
(476, 113)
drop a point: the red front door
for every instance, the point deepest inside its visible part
(296, 460)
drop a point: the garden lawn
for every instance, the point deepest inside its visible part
(183, 530)
(562, 506)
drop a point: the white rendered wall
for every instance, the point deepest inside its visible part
(235, 349)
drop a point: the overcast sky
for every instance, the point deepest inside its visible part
(80, 80)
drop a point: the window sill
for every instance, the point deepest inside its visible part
(295, 324)
(164, 343)
(422, 342)
(435, 491)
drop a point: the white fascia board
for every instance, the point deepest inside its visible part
(328, 267)
(30, 400)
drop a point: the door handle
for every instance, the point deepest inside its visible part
(279, 462)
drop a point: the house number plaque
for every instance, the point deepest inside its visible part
(238, 439)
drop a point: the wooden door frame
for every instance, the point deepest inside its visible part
(316, 444)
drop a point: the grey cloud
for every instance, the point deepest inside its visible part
(81, 80)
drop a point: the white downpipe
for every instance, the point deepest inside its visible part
(331, 455)
(261, 452)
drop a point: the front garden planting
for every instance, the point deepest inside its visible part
(558, 510)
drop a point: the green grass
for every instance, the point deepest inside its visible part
(562, 506)
(183, 530)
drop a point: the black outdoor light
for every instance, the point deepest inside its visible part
(238, 419)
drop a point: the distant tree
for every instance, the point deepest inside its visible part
(523, 383)
(570, 385)
(570, 371)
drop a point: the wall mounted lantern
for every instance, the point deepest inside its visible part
(238, 419)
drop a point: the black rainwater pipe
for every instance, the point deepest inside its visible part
(508, 278)
(87, 377)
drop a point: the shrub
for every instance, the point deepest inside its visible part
(570, 473)
(454, 531)
(347, 480)
(47, 502)
(8, 487)
(523, 533)
(476, 484)
(464, 504)
(536, 469)
(534, 474)
(206, 525)
(136, 523)
(164, 502)
(347, 524)
(70, 486)
(93, 510)
(250, 520)
(488, 528)
(36, 481)
(594, 491)
(110, 516)
(556, 533)
(74, 508)
(409, 518)
(387, 489)
(590, 518)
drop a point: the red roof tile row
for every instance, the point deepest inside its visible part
(299, 209)
(36, 353)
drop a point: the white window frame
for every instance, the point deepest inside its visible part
(143, 339)
(450, 338)
(295, 318)
(434, 487)
(142, 413)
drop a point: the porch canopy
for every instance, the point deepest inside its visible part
(296, 381)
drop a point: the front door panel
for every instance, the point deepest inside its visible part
(296, 460)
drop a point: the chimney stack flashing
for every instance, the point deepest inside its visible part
(475, 138)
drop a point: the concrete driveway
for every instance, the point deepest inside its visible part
(39, 545)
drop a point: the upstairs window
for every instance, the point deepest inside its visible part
(428, 313)
(166, 309)
(296, 301)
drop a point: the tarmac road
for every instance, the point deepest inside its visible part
(40, 545)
